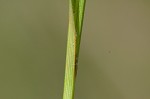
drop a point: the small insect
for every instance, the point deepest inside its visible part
(109, 51)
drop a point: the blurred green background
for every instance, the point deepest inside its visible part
(114, 57)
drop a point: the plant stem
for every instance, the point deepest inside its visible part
(76, 14)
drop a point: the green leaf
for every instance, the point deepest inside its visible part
(76, 14)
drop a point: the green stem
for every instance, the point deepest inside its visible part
(76, 14)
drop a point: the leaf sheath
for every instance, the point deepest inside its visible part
(76, 14)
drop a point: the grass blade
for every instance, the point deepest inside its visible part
(76, 14)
